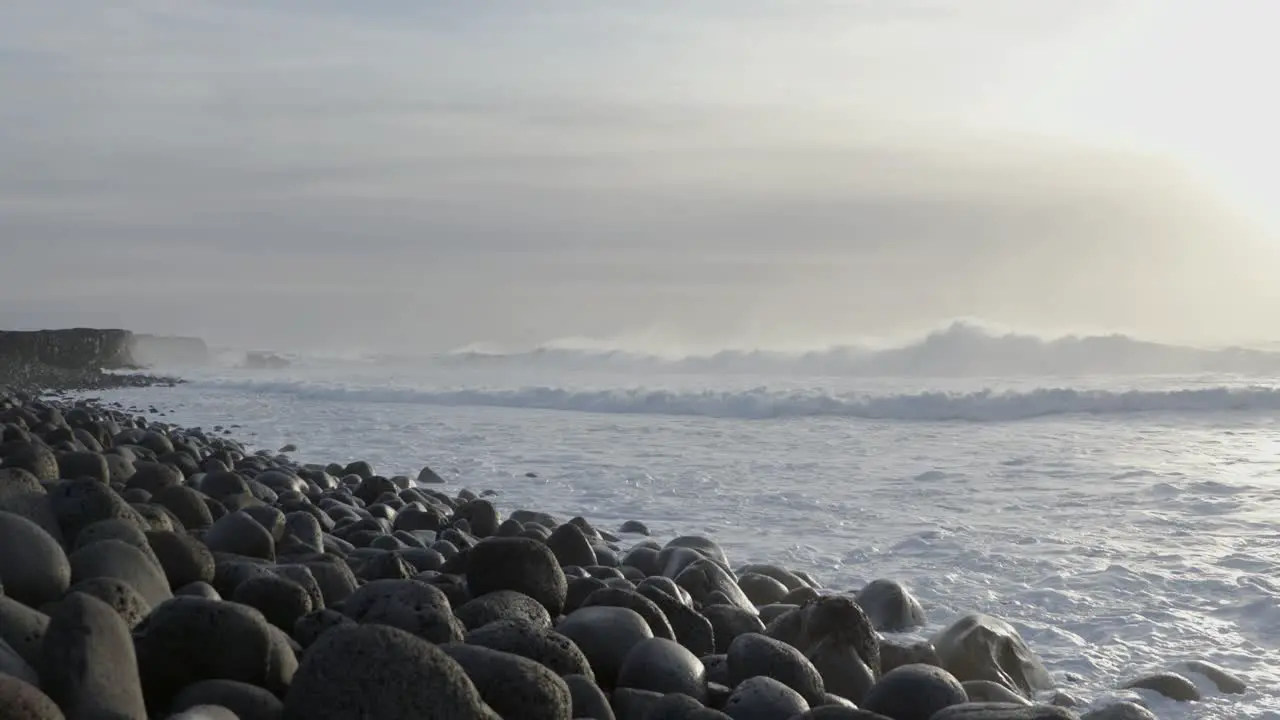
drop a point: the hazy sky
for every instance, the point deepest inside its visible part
(426, 175)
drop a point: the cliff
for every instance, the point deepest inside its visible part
(80, 349)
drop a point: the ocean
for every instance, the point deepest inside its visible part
(1123, 522)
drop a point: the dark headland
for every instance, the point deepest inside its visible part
(87, 358)
(155, 571)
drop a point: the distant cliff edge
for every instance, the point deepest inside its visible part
(81, 349)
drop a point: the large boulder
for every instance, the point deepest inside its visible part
(982, 647)
(520, 564)
(189, 639)
(33, 568)
(88, 665)
(890, 606)
(375, 672)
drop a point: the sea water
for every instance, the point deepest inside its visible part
(1122, 524)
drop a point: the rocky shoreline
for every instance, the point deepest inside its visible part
(154, 571)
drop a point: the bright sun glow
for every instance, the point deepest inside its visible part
(1187, 79)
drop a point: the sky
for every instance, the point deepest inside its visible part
(422, 176)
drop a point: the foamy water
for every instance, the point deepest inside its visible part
(1121, 525)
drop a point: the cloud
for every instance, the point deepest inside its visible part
(436, 174)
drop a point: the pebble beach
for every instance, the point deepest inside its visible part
(156, 571)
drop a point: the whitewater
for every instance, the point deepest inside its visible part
(1123, 522)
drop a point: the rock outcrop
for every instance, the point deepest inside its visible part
(69, 349)
(69, 359)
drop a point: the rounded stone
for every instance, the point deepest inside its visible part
(246, 701)
(185, 559)
(282, 602)
(186, 504)
(119, 595)
(239, 533)
(606, 635)
(988, 692)
(589, 700)
(480, 515)
(914, 692)
(189, 639)
(646, 608)
(1169, 684)
(762, 589)
(116, 559)
(520, 564)
(87, 662)
(22, 629)
(763, 698)
(729, 622)
(154, 477)
(311, 626)
(548, 647)
(663, 666)
(512, 685)
(409, 605)
(375, 672)
(753, 654)
(842, 669)
(22, 701)
(571, 546)
(983, 647)
(503, 605)
(33, 568)
(890, 606)
(72, 465)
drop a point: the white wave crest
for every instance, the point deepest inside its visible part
(763, 403)
(962, 349)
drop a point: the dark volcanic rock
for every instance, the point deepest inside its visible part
(80, 503)
(22, 629)
(890, 607)
(503, 605)
(119, 595)
(185, 559)
(187, 639)
(914, 692)
(22, 701)
(753, 654)
(409, 605)
(548, 647)
(663, 666)
(571, 546)
(88, 664)
(375, 672)
(33, 567)
(632, 600)
(606, 635)
(116, 559)
(282, 602)
(22, 494)
(514, 686)
(239, 533)
(81, 464)
(246, 701)
(763, 698)
(589, 700)
(729, 622)
(520, 564)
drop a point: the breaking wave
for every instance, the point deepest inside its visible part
(763, 403)
(962, 349)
